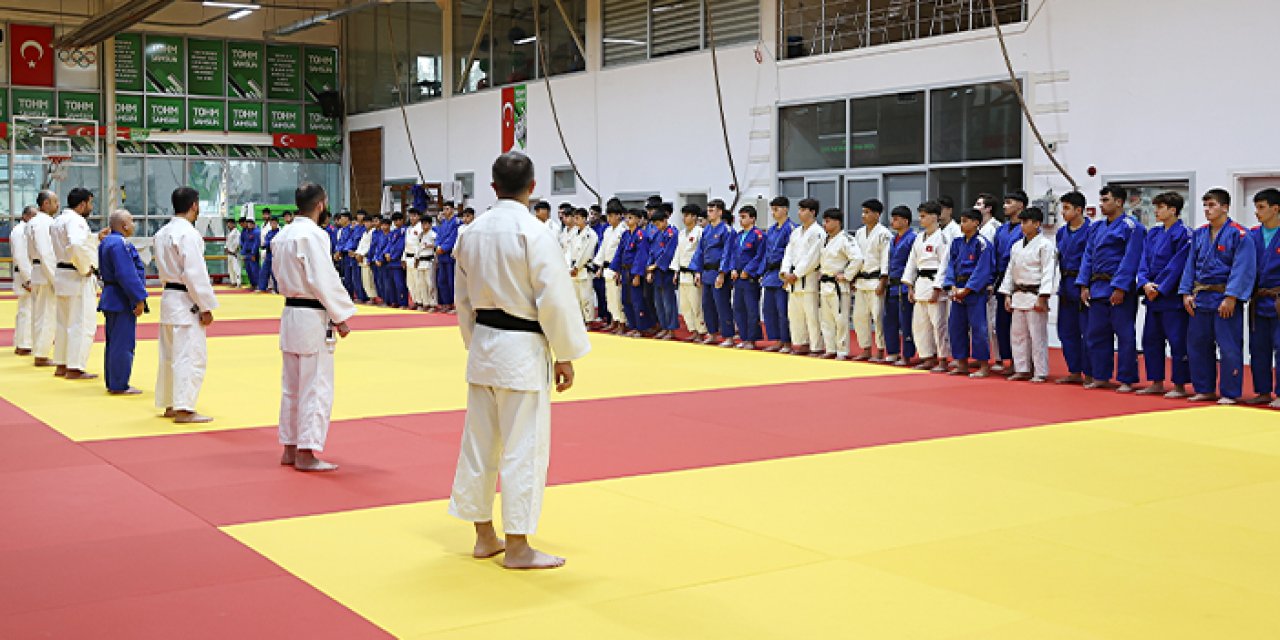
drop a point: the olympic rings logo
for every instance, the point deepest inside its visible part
(83, 58)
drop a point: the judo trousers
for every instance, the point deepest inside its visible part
(898, 318)
(1166, 327)
(121, 329)
(234, 266)
(1004, 332)
(967, 325)
(833, 313)
(746, 309)
(602, 299)
(1118, 323)
(638, 312)
(396, 285)
(306, 399)
(777, 324)
(929, 327)
(506, 433)
(254, 269)
(664, 298)
(993, 305)
(717, 307)
(412, 287)
(1264, 357)
(368, 286)
(1205, 331)
(802, 320)
(183, 358)
(1073, 330)
(613, 300)
(44, 319)
(265, 279)
(586, 298)
(444, 279)
(24, 322)
(691, 307)
(77, 322)
(1029, 342)
(868, 312)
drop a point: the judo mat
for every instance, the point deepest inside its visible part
(697, 492)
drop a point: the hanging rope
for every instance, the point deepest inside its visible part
(404, 114)
(724, 127)
(555, 116)
(1017, 90)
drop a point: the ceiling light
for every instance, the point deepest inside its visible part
(240, 14)
(623, 41)
(528, 40)
(231, 5)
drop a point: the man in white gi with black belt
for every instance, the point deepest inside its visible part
(44, 309)
(76, 249)
(316, 310)
(522, 326)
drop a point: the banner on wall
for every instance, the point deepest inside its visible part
(205, 74)
(80, 106)
(165, 68)
(284, 72)
(244, 70)
(31, 55)
(321, 72)
(77, 68)
(128, 62)
(514, 125)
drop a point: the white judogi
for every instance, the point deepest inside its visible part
(426, 267)
(612, 290)
(690, 291)
(44, 302)
(868, 308)
(23, 328)
(803, 253)
(179, 252)
(412, 244)
(929, 322)
(303, 269)
(1033, 270)
(988, 230)
(234, 266)
(578, 253)
(76, 249)
(839, 255)
(950, 233)
(510, 262)
(366, 264)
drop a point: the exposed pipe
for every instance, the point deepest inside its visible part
(104, 25)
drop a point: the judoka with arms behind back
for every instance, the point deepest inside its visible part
(316, 307)
(518, 314)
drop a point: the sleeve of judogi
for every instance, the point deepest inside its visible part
(1127, 274)
(1167, 281)
(1086, 259)
(322, 280)
(21, 253)
(788, 254)
(755, 266)
(810, 254)
(726, 254)
(44, 250)
(854, 254)
(1189, 269)
(669, 251)
(462, 295)
(83, 253)
(695, 262)
(1244, 266)
(1048, 268)
(588, 245)
(886, 243)
(944, 262)
(194, 273)
(125, 272)
(559, 313)
(910, 272)
(641, 261)
(1005, 285)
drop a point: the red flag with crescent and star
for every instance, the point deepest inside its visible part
(508, 118)
(31, 55)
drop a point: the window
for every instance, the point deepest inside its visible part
(964, 184)
(1140, 192)
(816, 27)
(636, 30)
(506, 51)
(379, 74)
(976, 122)
(563, 181)
(468, 181)
(887, 130)
(812, 136)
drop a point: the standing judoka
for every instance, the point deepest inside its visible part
(426, 265)
(315, 308)
(412, 246)
(662, 251)
(393, 255)
(1026, 287)
(900, 346)
(377, 249)
(44, 308)
(632, 258)
(777, 237)
(839, 262)
(186, 308)
(1164, 256)
(124, 295)
(598, 225)
(250, 250)
(1264, 307)
(266, 278)
(690, 291)
(231, 247)
(76, 248)
(1219, 275)
(579, 252)
(446, 237)
(740, 268)
(922, 279)
(1108, 277)
(364, 260)
(800, 273)
(604, 255)
(350, 263)
(23, 327)
(991, 223)
(717, 305)
(970, 263)
(874, 241)
(1006, 235)
(518, 315)
(1072, 238)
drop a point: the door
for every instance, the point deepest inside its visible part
(904, 189)
(858, 191)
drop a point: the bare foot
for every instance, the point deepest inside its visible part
(962, 369)
(1260, 399)
(1176, 394)
(289, 456)
(168, 413)
(1155, 388)
(1074, 378)
(862, 357)
(190, 417)
(1226, 401)
(1039, 380)
(1275, 405)
(998, 367)
(488, 544)
(522, 556)
(830, 356)
(60, 371)
(1019, 377)
(1204, 397)
(307, 461)
(983, 371)
(941, 368)
(1095, 384)
(76, 374)
(1124, 388)
(127, 392)
(926, 364)
(43, 362)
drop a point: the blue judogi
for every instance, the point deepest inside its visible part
(899, 311)
(352, 266)
(597, 282)
(123, 287)
(662, 250)
(396, 286)
(1164, 255)
(250, 246)
(745, 255)
(1073, 315)
(776, 324)
(266, 279)
(970, 265)
(629, 262)
(1111, 264)
(446, 237)
(333, 237)
(1229, 261)
(1008, 233)
(376, 248)
(717, 309)
(340, 263)
(1264, 343)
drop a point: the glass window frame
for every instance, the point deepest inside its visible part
(649, 34)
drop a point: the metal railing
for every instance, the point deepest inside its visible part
(812, 28)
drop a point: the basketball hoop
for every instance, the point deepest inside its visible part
(56, 169)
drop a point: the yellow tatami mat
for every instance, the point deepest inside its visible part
(1106, 528)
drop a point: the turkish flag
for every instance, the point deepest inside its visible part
(508, 118)
(294, 140)
(31, 55)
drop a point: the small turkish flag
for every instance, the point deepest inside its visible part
(294, 140)
(31, 55)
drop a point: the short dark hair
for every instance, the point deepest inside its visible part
(542, 205)
(447, 203)
(1219, 195)
(946, 202)
(595, 208)
(669, 208)
(874, 205)
(691, 209)
(1019, 195)
(810, 204)
(780, 201)
(717, 203)
(468, 211)
(266, 211)
(579, 212)
(834, 214)
(1270, 196)
(639, 213)
(183, 198)
(1169, 199)
(987, 199)
(658, 214)
(1032, 213)
(512, 174)
(901, 211)
(308, 196)
(931, 207)
(397, 217)
(566, 205)
(1074, 198)
(749, 210)
(78, 196)
(414, 211)
(1114, 191)
(347, 214)
(972, 214)
(288, 212)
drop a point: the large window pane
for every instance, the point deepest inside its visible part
(562, 52)
(244, 183)
(132, 188)
(283, 179)
(514, 45)
(976, 122)
(206, 179)
(812, 136)
(736, 21)
(887, 130)
(474, 72)
(368, 74)
(326, 175)
(626, 31)
(965, 184)
(677, 27)
(163, 176)
(426, 51)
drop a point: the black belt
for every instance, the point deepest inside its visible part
(175, 286)
(927, 273)
(831, 279)
(499, 319)
(36, 261)
(427, 258)
(67, 265)
(773, 266)
(962, 279)
(1098, 277)
(684, 270)
(304, 303)
(1026, 288)
(1070, 273)
(870, 275)
(711, 266)
(606, 264)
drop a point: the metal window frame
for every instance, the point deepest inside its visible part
(573, 177)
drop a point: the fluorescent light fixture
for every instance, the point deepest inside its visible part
(240, 14)
(528, 40)
(231, 5)
(623, 41)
